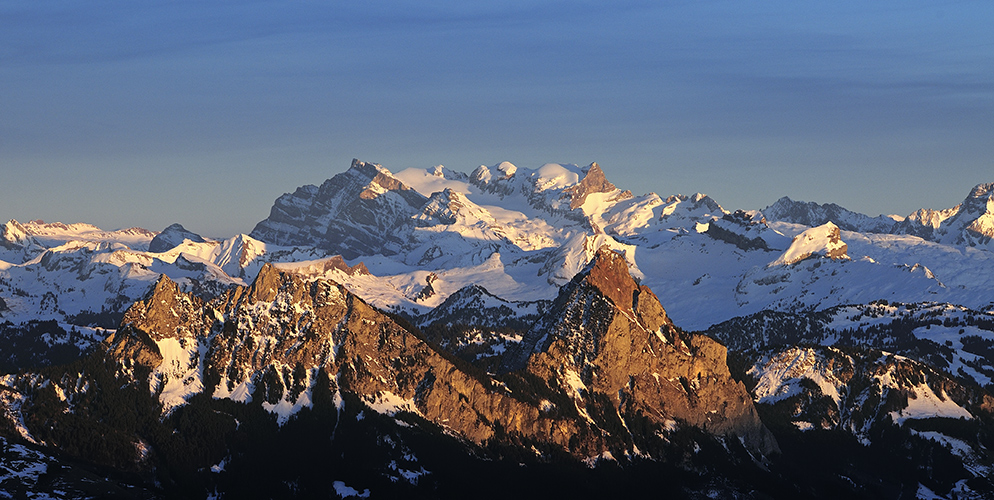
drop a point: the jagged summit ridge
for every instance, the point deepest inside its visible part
(171, 237)
(593, 181)
(357, 212)
(519, 223)
(441, 218)
(277, 338)
(971, 223)
(607, 336)
(813, 214)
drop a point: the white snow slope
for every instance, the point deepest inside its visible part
(521, 233)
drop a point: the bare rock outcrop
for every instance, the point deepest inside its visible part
(608, 337)
(605, 355)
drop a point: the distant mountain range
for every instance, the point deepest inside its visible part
(405, 331)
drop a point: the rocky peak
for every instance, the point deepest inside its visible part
(442, 207)
(322, 268)
(337, 262)
(166, 311)
(379, 179)
(362, 211)
(593, 182)
(824, 241)
(924, 223)
(970, 223)
(696, 206)
(171, 237)
(475, 305)
(981, 199)
(586, 305)
(16, 243)
(165, 314)
(608, 273)
(973, 224)
(812, 214)
(494, 179)
(274, 285)
(13, 233)
(607, 338)
(267, 283)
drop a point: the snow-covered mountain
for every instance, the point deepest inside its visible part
(521, 234)
(82, 277)
(440, 301)
(866, 399)
(969, 224)
(184, 381)
(813, 214)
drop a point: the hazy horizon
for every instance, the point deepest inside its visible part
(203, 114)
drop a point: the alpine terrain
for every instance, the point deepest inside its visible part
(430, 333)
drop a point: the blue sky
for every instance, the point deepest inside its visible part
(124, 114)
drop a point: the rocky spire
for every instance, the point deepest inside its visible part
(593, 182)
(607, 337)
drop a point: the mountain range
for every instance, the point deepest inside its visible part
(403, 330)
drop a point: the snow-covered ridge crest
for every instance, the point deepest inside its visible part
(513, 231)
(813, 214)
(867, 389)
(968, 224)
(56, 233)
(823, 241)
(779, 375)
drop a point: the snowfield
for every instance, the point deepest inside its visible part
(521, 234)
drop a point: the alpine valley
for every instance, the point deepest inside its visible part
(504, 333)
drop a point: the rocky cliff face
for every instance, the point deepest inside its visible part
(813, 214)
(915, 419)
(973, 224)
(605, 375)
(593, 181)
(358, 212)
(607, 338)
(970, 223)
(273, 340)
(171, 237)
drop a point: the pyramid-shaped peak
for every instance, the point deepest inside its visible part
(164, 285)
(377, 180)
(367, 167)
(171, 237)
(14, 232)
(609, 273)
(983, 190)
(594, 181)
(981, 199)
(163, 310)
(266, 284)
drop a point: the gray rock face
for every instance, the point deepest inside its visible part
(970, 223)
(593, 182)
(813, 214)
(171, 237)
(973, 223)
(363, 211)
